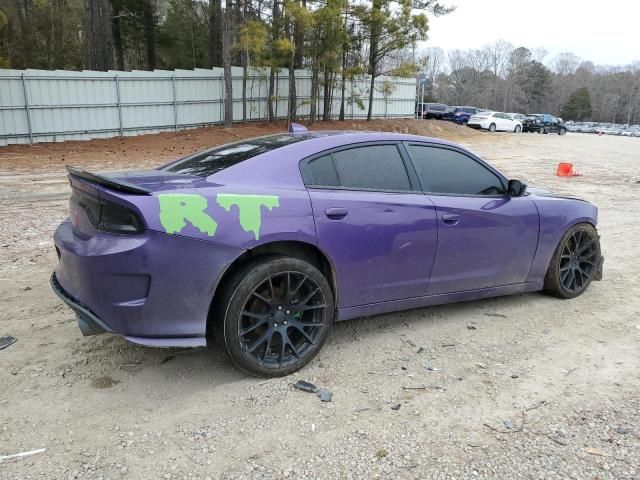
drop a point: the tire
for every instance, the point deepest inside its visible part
(264, 328)
(518, 129)
(464, 122)
(562, 131)
(565, 263)
(543, 130)
(492, 127)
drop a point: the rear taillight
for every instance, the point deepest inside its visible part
(103, 215)
(118, 219)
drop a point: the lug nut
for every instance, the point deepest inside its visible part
(279, 307)
(285, 322)
(275, 325)
(287, 312)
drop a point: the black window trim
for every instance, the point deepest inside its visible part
(307, 177)
(503, 180)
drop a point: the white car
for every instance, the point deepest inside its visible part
(495, 121)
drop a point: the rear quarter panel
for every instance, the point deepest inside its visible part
(243, 216)
(557, 215)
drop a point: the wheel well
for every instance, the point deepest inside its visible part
(301, 250)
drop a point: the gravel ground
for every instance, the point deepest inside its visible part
(516, 387)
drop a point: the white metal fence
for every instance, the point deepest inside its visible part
(54, 106)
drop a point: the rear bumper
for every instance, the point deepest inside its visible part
(148, 286)
(88, 322)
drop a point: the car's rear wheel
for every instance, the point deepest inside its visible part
(518, 129)
(562, 131)
(543, 130)
(575, 262)
(492, 127)
(278, 314)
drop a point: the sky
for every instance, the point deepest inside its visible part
(608, 36)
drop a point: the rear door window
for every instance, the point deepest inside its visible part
(369, 167)
(374, 167)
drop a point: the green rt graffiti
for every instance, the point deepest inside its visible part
(178, 209)
(249, 209)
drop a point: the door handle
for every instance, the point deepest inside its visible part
(450, 218)
(336, 213)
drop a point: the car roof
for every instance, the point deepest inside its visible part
(279, 167)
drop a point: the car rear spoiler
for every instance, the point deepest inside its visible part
(113, 183)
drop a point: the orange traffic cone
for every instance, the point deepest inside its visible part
(566, 170)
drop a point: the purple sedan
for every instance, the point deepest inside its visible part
(264, 243)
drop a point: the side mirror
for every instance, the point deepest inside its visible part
(516, 188)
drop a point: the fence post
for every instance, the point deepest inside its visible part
(222, 99)
(277, 93)
(175, 103)
(119, 103)
(26, 106)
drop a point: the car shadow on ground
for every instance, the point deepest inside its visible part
(211, 367)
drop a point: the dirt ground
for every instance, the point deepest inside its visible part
(516, 387)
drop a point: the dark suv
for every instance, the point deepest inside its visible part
(543, 123)
(460, 115)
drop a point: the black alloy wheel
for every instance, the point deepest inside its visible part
(575, 262)
(278, 317)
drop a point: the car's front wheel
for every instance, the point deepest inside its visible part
(278, 314)
(492, 127)
(518, 129)
(562, 131)
(575, 262)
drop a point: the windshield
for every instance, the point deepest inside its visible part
(212, 161)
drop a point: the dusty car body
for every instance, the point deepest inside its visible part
(214, 244)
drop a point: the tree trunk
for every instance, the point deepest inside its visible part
(274, 35)
(272, 80)
(99, 35)
(343, 79)
(376, 8)
(117, 36)
(58, 34)
(326, 99)
(314, 94)
(226, 60)
(149, 25)
(298, 39)
(215, 33)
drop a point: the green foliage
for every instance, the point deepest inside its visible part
(182, 37)
(252, 39)
(578, 105)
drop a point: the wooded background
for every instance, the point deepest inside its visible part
(337, 40)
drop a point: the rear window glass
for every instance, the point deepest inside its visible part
(212, 161)
(323, 172)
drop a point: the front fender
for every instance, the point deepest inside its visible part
(557, 215)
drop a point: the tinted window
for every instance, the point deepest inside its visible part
(323, 171)
(211, 161)
(446, 171)
(377, 167)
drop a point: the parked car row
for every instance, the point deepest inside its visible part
(480, 118)
(624, 130)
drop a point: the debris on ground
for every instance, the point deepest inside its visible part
(22, 454)
(324, 394)
(395, 406)
(305, 386)
(6, 342)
